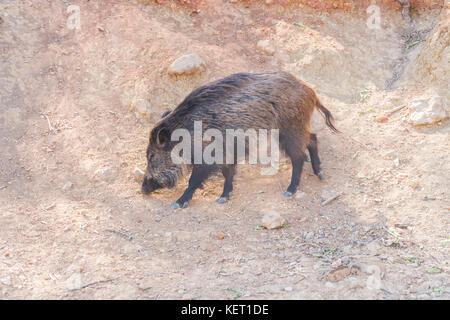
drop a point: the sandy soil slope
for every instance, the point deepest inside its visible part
(68, 100)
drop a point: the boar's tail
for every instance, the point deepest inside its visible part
(327, 115)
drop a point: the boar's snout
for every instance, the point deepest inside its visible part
(149, 185)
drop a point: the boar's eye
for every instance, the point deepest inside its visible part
(150, 157)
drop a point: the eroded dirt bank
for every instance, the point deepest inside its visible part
(74, 101)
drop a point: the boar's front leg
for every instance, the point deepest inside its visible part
(228, 173)
(199, 174)
(297, 166)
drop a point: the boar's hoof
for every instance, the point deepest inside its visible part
(176, 205)
(224, 199)
(221, 200)
(320, 175)
(287, 194)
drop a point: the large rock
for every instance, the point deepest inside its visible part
(432, 65)
(266, 46)
(427, 110)
(273, 220)
(187, 64)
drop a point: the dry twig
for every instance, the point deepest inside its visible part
(94, 283)
(123, 234)
(332, 198)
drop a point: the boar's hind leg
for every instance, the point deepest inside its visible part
(297, 159)
(314, 154)
(199, 174)
(228, 173)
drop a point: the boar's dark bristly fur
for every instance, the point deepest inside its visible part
(264, 100)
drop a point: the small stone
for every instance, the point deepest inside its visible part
(428, 110)
(5, 281)
(157, 218)
(266, 47)
(141, 108)
(106, 174)
(396, 162)
(138, 174)
(220, 236)
(341, 273)
(74, 282)
(267, 246)
(401, 226)
(288, 289)
(336, 264)
(372, 267)
(273, 220)
(67, 186)
(187, 64)
(381, 119)
(391, 154)
(83, 212)
(395, 100)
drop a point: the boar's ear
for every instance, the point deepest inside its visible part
(163, 137)
(165, 114)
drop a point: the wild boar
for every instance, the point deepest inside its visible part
(242, 101)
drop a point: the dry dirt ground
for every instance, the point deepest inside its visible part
(67, 99)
